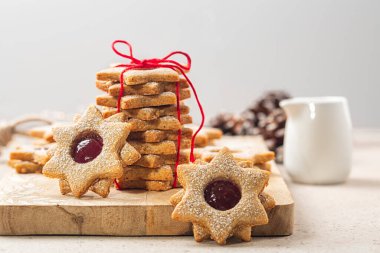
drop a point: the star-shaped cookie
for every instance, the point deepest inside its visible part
(90, 153)
(221, 198)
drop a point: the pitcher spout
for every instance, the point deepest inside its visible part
(291, 107)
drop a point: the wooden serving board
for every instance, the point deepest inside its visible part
(32, 205)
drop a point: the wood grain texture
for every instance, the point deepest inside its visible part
(32, 205)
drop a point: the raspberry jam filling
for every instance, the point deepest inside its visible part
(86, 147)
(222, 195)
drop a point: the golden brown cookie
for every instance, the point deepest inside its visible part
(163, 123)
(268, 201)
(159, 148)
(148, 113)
(163, 173)
(88, 153)
(150, 161)
(25, 167)
(155, 135)
(250, 154)
(42, 132)
(264, 166)
(139, 76)
(245, 164)
(34, 154)
(212, 133)
(221, 199)
(152, 135)
(146, 89)
(113, 89)
(100, 187)
(206, 135)
(138, 101)
(244, 150)
(184, 157)
(155, 161)
(146, 185)
(154, 89)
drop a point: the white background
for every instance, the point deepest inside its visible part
(51, 50)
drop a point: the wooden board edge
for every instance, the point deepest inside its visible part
(69, 220)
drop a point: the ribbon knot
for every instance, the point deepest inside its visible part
(165, 62)
(146, 62)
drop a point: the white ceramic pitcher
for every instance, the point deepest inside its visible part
(318, 139)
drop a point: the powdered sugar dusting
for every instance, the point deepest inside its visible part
(221, 224)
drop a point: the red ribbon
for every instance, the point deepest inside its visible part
(165, 62)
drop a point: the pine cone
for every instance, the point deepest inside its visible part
(273, 130)
(250, 123)
(267, 103)
(264, 117)
(229, 123)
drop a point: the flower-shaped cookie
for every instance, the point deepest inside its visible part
(221, 199)
(90, 154)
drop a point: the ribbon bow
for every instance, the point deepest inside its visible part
(165, 62)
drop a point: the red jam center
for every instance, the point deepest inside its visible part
(86, 148)
(222, 195)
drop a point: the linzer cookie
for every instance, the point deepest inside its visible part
(148, 113)
(266, 200)
(139, 76)
(221, 199)
(88, 153)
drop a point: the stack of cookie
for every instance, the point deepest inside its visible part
(149, 101)
(29, 159)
